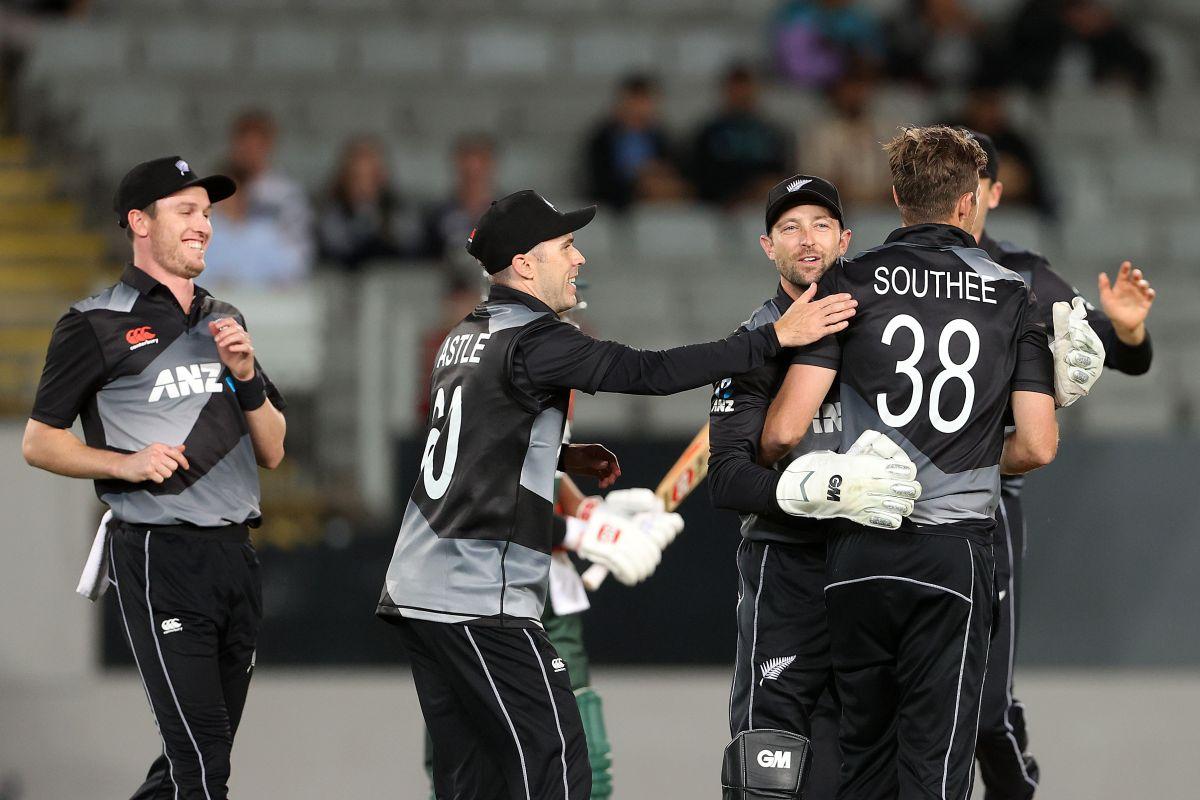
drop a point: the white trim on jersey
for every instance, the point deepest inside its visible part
(125, 621)
(961, 669)
(167, 675)
(512, 728)
(906, 580)
(737, 609)
(762, 569)
(562, 740)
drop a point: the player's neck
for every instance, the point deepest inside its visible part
(184, 289)
(792, 290)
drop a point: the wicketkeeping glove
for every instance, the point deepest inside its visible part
(1078, 352)
(646, 511)
(613, 541)
(873, 484)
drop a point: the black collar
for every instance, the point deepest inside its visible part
(507, 294)
(145, 283)
(990, 246)
(933, 234)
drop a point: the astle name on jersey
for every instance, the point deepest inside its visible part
(462, 349)
(964, 285)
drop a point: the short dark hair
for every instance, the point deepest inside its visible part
(150, 211)
(638, 83)
(931, 168)
(254, 120)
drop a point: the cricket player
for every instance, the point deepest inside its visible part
(466, 585)
(1008, 770)
(944, 344)
(177, 417)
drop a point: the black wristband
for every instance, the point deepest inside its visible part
(250, 394)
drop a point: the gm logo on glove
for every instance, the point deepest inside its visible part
(777, 759)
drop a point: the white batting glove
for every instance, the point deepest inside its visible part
(1078, 352)
(646, 510)
(612, 540)
(874, 484)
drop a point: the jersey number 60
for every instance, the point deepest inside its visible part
(951, 370)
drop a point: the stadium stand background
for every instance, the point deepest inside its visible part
(125, 81)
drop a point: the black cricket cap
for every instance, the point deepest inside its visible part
(518, 223)
(992, 170)
(803, 190)
(154, 180)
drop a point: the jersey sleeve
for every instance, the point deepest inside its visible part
(827, 351)
(74, 371)
(1034, 370)
(555, 357)
(735, 478)
(1050, 288)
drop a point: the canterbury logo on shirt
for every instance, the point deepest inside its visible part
(140, 337)
(187, 380)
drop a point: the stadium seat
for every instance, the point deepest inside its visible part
(441, 116)
(613, 52)
(497, 51)
(401, 51)
(675, 232)
(1103, 116)
(679, 414)
(1100, 243)
(1022, 226)
(422, 167)
(333, 116)
(193, 48)
(297, 51)
(1179, 115)
(706, 52)
(1156, 175)
(67, 51)
(870, 227)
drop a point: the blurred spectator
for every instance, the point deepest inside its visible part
(364, 217)
(816, 41)
(1068, 40)
(1021, 170)
(844, 145)
(739, 154)
(447, 224)
(460, 296)
(263, 234)
(19, 22)
(628, 157)
(936, 43)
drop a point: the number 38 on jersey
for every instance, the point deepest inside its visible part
(951, 370)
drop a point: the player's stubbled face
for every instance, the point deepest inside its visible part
(180, 232)
(804, 242)
(558, 263)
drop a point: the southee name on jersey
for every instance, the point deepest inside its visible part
(930, 283)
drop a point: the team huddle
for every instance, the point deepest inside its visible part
(870, 423)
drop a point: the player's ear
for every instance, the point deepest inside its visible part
(767, 245)
(895, 197)
(522, 266)
(138, 222)
(967, 206)
(844, 241)
(994, 195)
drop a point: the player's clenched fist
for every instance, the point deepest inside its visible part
(873, 484)
(234, 347)
(808, 320)
(613, 541)
(155, 462)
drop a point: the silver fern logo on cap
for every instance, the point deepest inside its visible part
(796, 185)
(774, 667)
(183, 167)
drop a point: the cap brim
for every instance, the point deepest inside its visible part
(219, 187)
(801, 197)
(574, 220)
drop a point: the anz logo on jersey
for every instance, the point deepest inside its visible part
(828, 418)
(187, 380)
(722, 398)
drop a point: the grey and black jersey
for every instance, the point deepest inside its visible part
(736, 417)
(474, 545)
(139, 369)
(942, 337)
(1048, 288)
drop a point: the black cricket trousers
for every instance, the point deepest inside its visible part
(909, 620)
(190, 601)
(500, 711)
(1008, 771)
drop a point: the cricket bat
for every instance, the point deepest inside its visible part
(684, 476)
